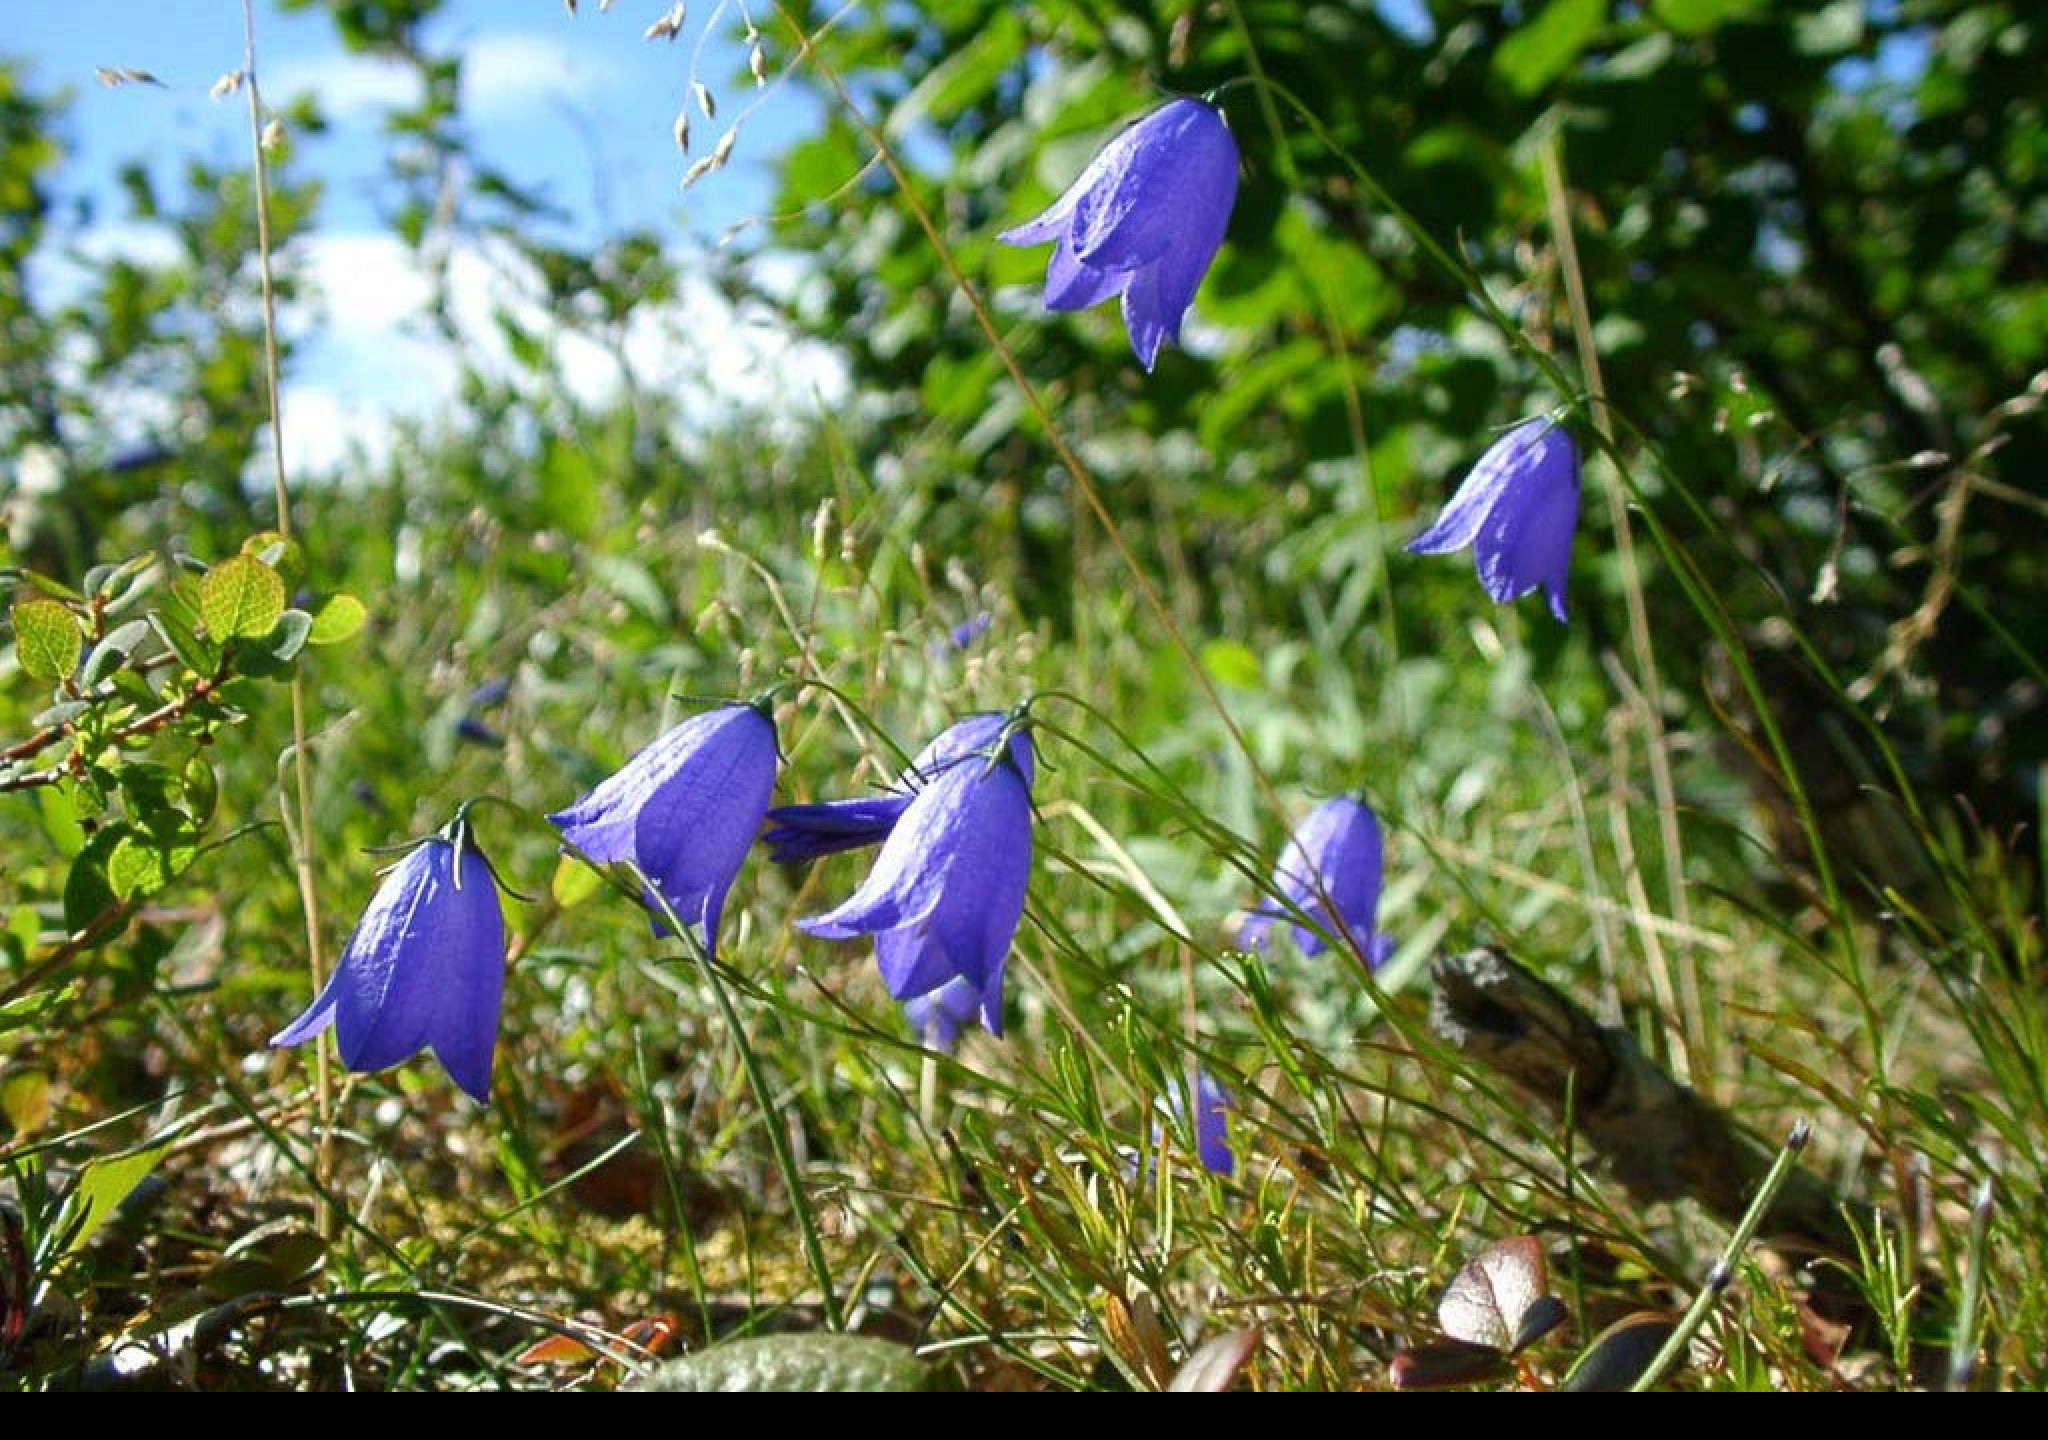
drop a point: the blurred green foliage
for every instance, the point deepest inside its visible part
(1815, 242)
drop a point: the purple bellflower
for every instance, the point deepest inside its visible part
(1144, 221)
(806, 832)
(1212, 1124)
(1335, 853)
(425, 968)
(971, 629)
(1212, 1127)
(1517, 510)
(684, 810)
(946, 893)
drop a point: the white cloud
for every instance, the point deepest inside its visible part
(142, 242)
(61, 273)
(346, 86)
(504, 72)
(327, 434)
(368, 357)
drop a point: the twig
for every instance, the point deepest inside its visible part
(1659, 1138)
(298, 827)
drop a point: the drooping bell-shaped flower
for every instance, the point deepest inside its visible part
(684, 810)
(826, 827)
(1332, 861)
(946, 893)
(1143, 221)
(1517, 510)
(425, 968)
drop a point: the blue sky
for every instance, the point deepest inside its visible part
(580, 109)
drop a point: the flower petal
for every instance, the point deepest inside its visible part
(1071, 285)
(1146, 317)
(1212, 1126)
(974, 734)
(909, 876)
(1334, 858)
(806, 832)
(316, 1017)
(947, 892)
(469, 988)
(602, 823)
(1134, 209)
(1526, 538)
(685, 809)
(692, 834)
(938, 1016)
(912, 960)
(424, 967)
(987, 881)
(1481, 490)
(371, 1031)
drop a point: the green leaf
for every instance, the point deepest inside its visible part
(241, 598)
(338, 618)
(102, 1187)
(23, 928)
(280, 552)
(1540, 50)
(1704, 17)
(114, 651)
(184, 642)
(57, 810)
(86, 891)
(574, 882)
(1233, 663)
(279, 646)
(38, 1009)
(795, 1363)
(25, 1101)
(202, 788)
(46, 638)
(140, 865)
(1832, 30)
(635, 584)
(571, 488)
(274, 1264)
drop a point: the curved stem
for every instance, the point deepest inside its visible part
(764, 1097)
(298, 814)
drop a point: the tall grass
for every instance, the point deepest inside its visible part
(760, 1143)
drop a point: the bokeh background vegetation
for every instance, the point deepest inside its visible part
(1771, 802)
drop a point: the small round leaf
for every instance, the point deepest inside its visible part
(338, 618)
(799, 1363)
(1486, 1301)
(241, 598)
(1621, 1352)
(46, 638)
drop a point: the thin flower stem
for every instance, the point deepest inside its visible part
(1084, 480)
(764, 1097)
(297, 815)
(1652, 706)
